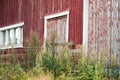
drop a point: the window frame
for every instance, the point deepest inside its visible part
(56, 15)
(12, 27)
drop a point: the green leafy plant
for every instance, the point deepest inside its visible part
(50, 62)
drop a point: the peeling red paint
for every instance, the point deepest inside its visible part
(32, 12)
(103, 26)
(103, 20)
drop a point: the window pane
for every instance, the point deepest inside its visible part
(9, 39)
(18, 35)
(21, 35)
(15, 36)
(12, 36)
(4, 37)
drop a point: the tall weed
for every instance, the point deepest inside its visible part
(33, 48)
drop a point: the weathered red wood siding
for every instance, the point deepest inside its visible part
(76, 16)
(10, 13)
(27, 11)
(32, 12)
(104, 27)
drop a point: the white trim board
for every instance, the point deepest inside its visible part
(12, 26)
(85, 24)
(18, 46)
(57, 15)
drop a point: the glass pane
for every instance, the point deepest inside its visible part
(4, 37)
(21, 34)
(11, 36)
(15, 36)
(9, 39)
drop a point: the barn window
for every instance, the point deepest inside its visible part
(11, 36)
(57, 25)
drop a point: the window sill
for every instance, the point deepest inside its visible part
(10, 47)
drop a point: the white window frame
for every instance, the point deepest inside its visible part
(11, 27)
(46, 18)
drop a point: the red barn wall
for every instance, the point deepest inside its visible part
(32, 13)
(76, 16)
(10, 13)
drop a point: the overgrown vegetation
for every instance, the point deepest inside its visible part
(54, 62)
(33, 48)
(10, 69)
